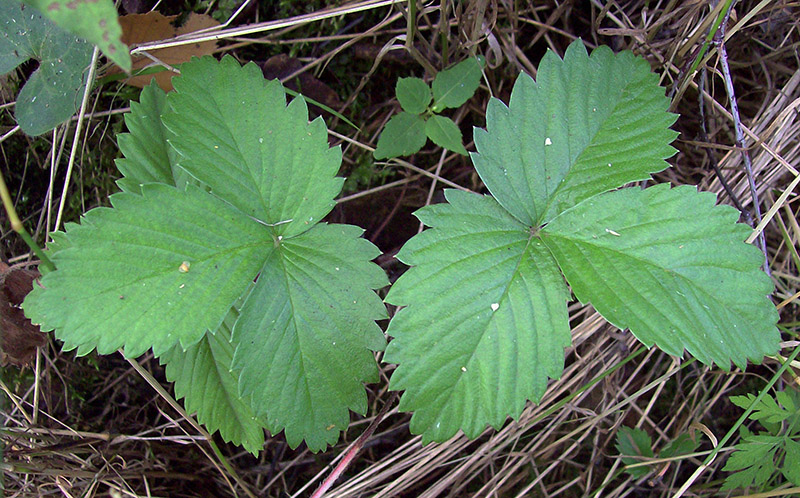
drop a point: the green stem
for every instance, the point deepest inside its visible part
(710, 36)
(17, 226)
(411, 25)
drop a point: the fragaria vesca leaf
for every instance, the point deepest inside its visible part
(485, 320)
(277, 168)
(585, 126)
(158, 269)
(202, 373)
(492, 326)
(305, 334)
(148, 158)
(165, 265)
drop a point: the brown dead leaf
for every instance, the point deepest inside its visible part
(153, 26)
(19, 338)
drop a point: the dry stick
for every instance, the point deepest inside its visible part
(74, 151)
(178, 408)
(433, 184)
(353, 450)
(719, 40)
(215, 33)
(713, 160)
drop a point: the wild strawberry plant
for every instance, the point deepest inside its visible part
(214, 256)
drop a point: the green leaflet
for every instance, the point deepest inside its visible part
(202, 373)
(585, 126)
(305, 334)
(455, 85)
(403, 134)
(275, 167)
(165, 265)
(665, 262)
(204, 377)
(53, 92)
(445, 133)
(634, 446)
(148, 158)
(413, 94)
(491, 328)
(672, 267)
(95, 21)
(120, 282)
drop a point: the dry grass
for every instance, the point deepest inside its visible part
(94, 428)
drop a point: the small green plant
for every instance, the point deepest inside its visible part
(767, 459)
(635, 447)
(214, 256)
(407, 131)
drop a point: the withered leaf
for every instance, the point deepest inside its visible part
(19, 338)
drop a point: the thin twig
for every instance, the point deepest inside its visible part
(74, 151)
(719, 40)
(713, 160)
(351, 453)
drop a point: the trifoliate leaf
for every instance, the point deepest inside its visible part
(53, 92)
(666, 263)
(445, 133)
(148, 158)
(485, 322)
(634, 446)
(260, 155)
(164, 266)
(457, 84)
(158, 269)
(305, 333)
(404, 134)
(413, 94)
(673, 268)
(586, 125)
(95, 21)
(204, 377)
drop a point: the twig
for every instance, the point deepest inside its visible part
(353, 450)
(86, 92)
(719, 40)
(711, 158)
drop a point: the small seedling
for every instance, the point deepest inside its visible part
(407, 131)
